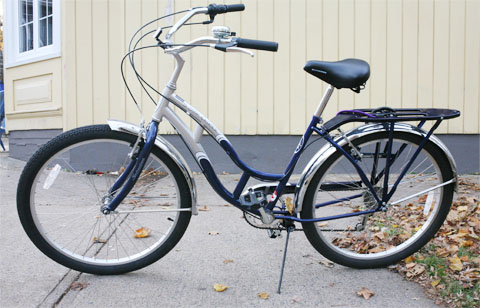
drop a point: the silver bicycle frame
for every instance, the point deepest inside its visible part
(163, 110)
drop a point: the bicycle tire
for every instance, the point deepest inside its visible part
(384, 239)
(52, 211)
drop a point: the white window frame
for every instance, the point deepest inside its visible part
(13, 56)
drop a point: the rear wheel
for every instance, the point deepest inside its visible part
(62, 190)
(385, 237)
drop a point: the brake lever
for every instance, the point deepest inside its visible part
(242, 50)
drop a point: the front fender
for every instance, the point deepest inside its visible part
(327, 150)
(166, 147)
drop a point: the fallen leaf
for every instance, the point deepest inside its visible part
(409, 259)
(78, 285)
(263, 295)
(410, 265)
(204, 208)
(464, 258)
(472, 200)
(435, 283)
(289, 204)
(365, 293)
(213, 233)
(467, 243)
(422, 199)
(99, 240)
(442, 252)
(142, 232)
(462, 208)
(379, 235)
(415, 270)
(326, 263)
(323, 224)
(455, 264)
(376, 249)
(219, 288)
(227, 261)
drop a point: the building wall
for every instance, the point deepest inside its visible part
(422, 54)
(33, 95)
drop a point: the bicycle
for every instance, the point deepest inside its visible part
(109, 199)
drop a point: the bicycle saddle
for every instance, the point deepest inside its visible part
(348, 73)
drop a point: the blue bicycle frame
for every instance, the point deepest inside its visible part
(130, 175)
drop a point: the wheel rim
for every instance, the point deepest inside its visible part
(384, 233)
(67, 213)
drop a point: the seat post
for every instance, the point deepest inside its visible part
(323, 103)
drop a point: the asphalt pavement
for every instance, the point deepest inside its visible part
(185, 277)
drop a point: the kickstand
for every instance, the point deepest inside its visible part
(289, 230)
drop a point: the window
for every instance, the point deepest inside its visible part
(45, 22)
(33, 31)
(26, 25)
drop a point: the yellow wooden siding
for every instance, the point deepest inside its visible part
(33, 95)
(423, 53)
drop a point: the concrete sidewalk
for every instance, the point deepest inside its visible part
(185, 277)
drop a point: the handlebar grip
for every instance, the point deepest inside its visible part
(235, 7)
(214, 9)
(256, 44)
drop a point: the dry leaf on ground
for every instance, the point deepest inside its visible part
(409, 259)
(326, 263)
(99, 240)
(365, 293)
(455, 264)
(263, 295)
(415, 270)
(227, 261)
(219, 287)
(142, 232)
(435, 282)
(78, 285)
(213, 233)
(204, 208)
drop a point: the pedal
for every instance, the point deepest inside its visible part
(274, 233)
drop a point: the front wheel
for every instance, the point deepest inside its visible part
(65, 184)
(384, 237)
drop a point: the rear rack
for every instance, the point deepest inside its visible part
(387, 114)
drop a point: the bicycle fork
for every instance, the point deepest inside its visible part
(132, 172)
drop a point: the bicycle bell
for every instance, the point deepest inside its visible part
(221, 32)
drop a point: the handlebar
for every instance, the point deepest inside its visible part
(214, 9)
(256, 44)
